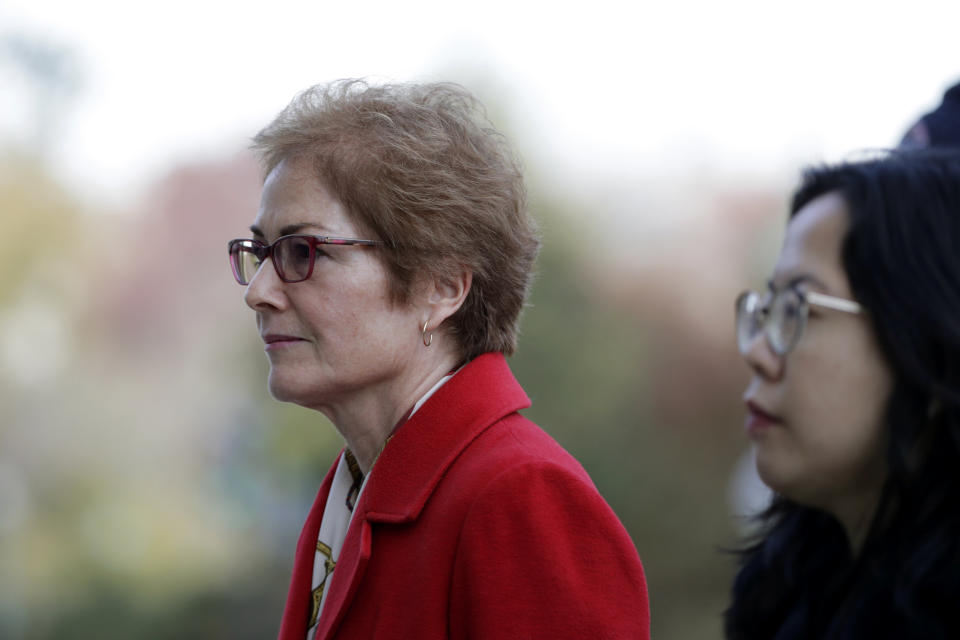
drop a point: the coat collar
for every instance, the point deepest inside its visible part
(422, 450)
(415, 460)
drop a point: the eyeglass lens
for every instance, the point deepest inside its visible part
(245, 260)
(292, 258)
(781, 318)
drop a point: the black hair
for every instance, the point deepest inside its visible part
(798, 578)
(940, 127)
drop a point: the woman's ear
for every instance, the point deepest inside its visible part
(446, 295)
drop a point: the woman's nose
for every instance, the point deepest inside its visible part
(265, 290)
(760, 357)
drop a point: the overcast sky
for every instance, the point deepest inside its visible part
(596, 87)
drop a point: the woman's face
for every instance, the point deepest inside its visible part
(336, 336)
(816, 414)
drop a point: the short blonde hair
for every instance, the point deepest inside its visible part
(421, 167)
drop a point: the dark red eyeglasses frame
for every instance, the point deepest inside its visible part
(263, 251)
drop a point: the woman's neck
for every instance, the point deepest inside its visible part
(856, 516)
(368, 417)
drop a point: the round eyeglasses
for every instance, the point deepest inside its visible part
(293, 256)
(782, 317)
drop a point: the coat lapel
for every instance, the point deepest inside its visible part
(297, 611)
(347, 576)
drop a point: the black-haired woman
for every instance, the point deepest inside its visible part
(854, 409)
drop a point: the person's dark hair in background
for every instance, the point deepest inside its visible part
(803, 577)
(940, 127)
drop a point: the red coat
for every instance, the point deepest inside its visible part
(474, 524)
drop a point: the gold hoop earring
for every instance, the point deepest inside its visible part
(427, 341)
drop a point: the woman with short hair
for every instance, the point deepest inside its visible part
(401, 250)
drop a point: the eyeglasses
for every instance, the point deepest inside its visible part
(783, 317)
(293, 256)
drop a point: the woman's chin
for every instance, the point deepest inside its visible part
(284, 389)
(771, 475)
(789, 486)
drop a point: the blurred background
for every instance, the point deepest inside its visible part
(151, 488)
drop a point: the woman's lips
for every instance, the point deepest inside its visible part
(759, 420)
(275, 341)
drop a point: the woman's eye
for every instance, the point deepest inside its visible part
(300, 253)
